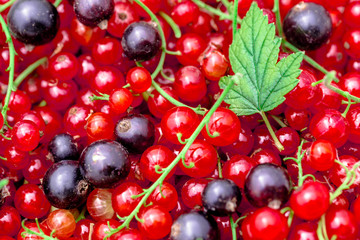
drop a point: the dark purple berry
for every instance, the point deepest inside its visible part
(307, 26)
(33, 22)
(135, 132)
(141, 41)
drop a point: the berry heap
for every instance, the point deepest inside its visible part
(180, 120)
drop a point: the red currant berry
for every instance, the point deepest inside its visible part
(164, 196)
(31, 202)
(237, 168)
(62, 222)
(179, 120)
(265, 224)
(122, 201)
(330, 125)
(154, 156)
(156, 222)
(190, 84)
(139, 79)
(190, 46)
(107, 50)
(225, 127)
(99, 204)
(185, 13)
(322, 155)
(63, 66)
(310, 201)
(304, 95)
(351, 40)
(341, 223)
(124, 15)
(204, 157)
(191, 192)
(120, 100)
(10, 221)
(25, 135)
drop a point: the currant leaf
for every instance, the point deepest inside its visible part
(261, 81)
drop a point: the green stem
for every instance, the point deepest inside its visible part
(278, 120)
(105, 97)
(220, 168)
(271, 131)
(11, 69)
(168, 169)
(166, 76)
(162, 37)
(339, 91)
(28, 71)
(81, 215)
(235, 17)
(233, 228)
(214, 11)
(228, 6)
(3, 183)
(347, 108)
(309, 60)
(349, 180)
(173, 25)
(57, 3)
(174, 101)
(40, 233)
(276, 10)
(3, 158)
(4, 6)
(176, 53)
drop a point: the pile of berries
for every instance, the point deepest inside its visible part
(113, 124)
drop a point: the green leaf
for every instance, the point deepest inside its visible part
(260, 82)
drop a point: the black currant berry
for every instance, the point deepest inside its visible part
(63, 147)
(194, 225)
(104, 163)
(221, 197)
(93, 12)
(141, 41)
(33, 22)
(64, 186)
(135, 132)
(307, 25)
(267, 185)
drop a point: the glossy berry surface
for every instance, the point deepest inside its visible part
(225, 125)
(179, 120)
(29, 24)
(156, 222)
(194, 225)
(204, 157)
(156, 155)
(265, 223)
(122, 201)
(221, 197)
(104, 163)
(135, 132)
(307, 26)
(140, 48)
(310, 201)
(31, 202)
(267, 185)
(63, 147)
(92, 12)
(62, 222)
(98, 204)
(71, 191)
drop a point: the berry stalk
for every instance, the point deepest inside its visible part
(11, 69)
(28, 71)
(168, 169)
